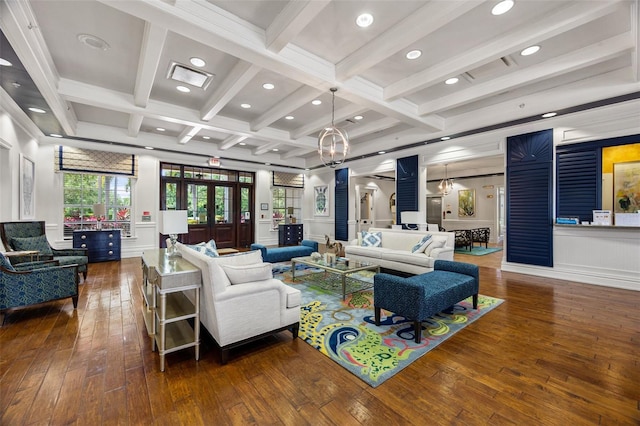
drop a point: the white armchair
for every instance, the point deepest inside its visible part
(241, 301)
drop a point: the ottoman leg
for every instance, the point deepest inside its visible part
(417, 330)
(475, 301)
(377, 314)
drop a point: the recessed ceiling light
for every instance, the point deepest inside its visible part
(530, 50)
(316, 102)
(358, 117)
(414, 54)
(93, 42)
(183, 89)
(160, 129)
(206, 137)
(445, 138)
(242, 143)
(364, 20)
(275, 150)
(197, 62)
(549, 115)
(382, 152)
(38, 110)
(149, 147)
(55, 135)
(289, 117)
(5, 63)
(502, 7)
(245, 106)
(452, 80)
(268, 86)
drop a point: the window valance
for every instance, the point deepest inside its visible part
(293, 180)
(79, 160)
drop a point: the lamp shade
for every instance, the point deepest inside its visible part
(411, 218)
(99, 210)
(173, 222)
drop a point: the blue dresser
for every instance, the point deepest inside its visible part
(102, 246)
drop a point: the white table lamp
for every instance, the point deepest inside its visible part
(172, 223)
(99, 211)
(411, 218)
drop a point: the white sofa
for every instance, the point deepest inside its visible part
(236, 312)
(395, 250)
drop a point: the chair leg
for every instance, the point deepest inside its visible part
(377, 314)
(84, 275)
(1, 319)
(224, 356)
(295, 330)
(475, 301)
(417, 330)
(75, 301)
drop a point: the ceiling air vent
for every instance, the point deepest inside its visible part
(184, 74)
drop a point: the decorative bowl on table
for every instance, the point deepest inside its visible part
(315, 256)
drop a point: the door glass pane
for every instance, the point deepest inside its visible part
(197, 203)
(245, 210)
(224, 204)
(171, 196)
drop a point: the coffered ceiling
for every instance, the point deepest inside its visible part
(102, 69)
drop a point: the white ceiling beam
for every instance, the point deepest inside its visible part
(20, 26)
(324, 121)
(263, 149)
(18, 115)
(241, 74)
(295, 100)
(152, 44)
(231, 141)
(575, 60)
(188, 133)
(295, 153)
(375, 126)
(635, 31)
(564, 20)
(100, 97)
(422, 22)
(135, 123)
(295, 16)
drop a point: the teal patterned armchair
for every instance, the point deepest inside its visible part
(34, 283)
(18, 236)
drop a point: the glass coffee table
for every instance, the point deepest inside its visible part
(340, 266)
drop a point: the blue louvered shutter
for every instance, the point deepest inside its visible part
(406, 185)
(578, 188)
(342, 205)
(529, 198)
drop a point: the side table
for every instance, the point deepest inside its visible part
(167, 309)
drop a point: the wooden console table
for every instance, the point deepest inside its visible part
(167, 309)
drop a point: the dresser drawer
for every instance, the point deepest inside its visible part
(102, 245)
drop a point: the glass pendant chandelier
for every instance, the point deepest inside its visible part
(333, 143)
(446, 184)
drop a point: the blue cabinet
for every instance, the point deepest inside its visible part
(102, 246)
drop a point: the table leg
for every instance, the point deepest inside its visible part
(344, 286)
(161, 331)
(293, 270)
(196, 324)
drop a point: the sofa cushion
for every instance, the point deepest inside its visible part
(240, 274)
(419, 259)
(437, 243)
(374, 252)
(209, 248)
(422, 244)
(371, 239)
(38, 243)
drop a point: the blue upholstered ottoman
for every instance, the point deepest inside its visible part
(281, 254)
(422, 296)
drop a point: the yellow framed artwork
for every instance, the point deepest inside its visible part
(467, 203)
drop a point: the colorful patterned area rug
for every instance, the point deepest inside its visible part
(345, 331)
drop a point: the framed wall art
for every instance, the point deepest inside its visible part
(321, 200)
(264, 206)
(467, 203)
(27, 188)
(626, 187)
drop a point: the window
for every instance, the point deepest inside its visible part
(284, 200)
(81, 191)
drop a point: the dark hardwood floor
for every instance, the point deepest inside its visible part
(554, 353)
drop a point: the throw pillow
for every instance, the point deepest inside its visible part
(434, 245)
(38, 243)
(4, 262)
(248, 273)
(371, 239)
(209, 248)
(422, 244)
